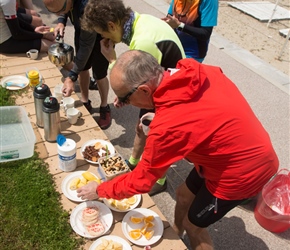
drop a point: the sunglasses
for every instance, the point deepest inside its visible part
(61, 10)
(125, 99)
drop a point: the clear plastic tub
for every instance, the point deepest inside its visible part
(112, 166)
(17, 138)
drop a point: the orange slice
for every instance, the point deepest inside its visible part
(148, 235)
(149, 224)
(144, 229)
(148, 218)
(136, 220)
(135, 234)
(132, 200)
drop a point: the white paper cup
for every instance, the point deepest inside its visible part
(145, 121)
(66, 103)
(73, 115)
(58, 92)
(32, 54)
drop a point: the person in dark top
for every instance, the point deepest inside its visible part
(88, 54)
(18, 36)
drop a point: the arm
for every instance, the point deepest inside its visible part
(201, 33)
(20, 33)
(87, 42)
(171, 147)
(202, 27)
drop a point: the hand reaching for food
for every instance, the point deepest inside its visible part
(88, 192)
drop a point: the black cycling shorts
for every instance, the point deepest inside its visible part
(206, 209)
(96, 61)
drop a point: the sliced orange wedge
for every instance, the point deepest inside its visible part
(148, 235)
(150, 224)
(135, 234)
(136, 220)
(144, 230)
(148, 218)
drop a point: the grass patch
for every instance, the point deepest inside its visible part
(6, 99)
(30, 209)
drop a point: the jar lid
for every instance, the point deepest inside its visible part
(33, 74)
(41, 91)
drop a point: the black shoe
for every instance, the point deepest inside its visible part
(157, 188)
(88, 105)
(93, 84)
(130, 165)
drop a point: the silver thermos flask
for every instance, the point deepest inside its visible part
(51, 118)
(40, 92)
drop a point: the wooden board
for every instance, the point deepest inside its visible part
(262, 10)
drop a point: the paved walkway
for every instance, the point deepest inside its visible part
(267, 91)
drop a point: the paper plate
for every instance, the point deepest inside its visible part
(138, 196)
(106, 217)
(126, 245)
(127, 226)
(72, 194)
(92, 143)
(18, 79)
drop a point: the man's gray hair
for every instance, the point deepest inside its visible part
(139, 66)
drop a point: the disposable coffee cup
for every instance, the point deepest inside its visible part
(32, 54)
(73, 115)
(145, 122)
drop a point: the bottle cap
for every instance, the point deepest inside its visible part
(60, 139)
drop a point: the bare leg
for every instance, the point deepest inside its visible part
(36, 21)
(105, 119)
(184, 198)
(139, 142)
(84, 80)
(199, 237)
(27, 4)
(103, 86)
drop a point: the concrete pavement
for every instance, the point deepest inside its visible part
(267, 91)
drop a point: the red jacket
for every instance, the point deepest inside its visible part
(201, 115)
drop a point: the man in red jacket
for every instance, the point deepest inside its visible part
(201, 116)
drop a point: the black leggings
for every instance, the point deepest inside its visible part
(12, 46)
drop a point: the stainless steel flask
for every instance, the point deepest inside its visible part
(51, 118)
(40, 92)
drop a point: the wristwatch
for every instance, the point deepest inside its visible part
(73, 76)
(181, 26)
